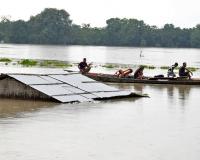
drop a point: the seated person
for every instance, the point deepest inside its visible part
(84, 67)
(139, 73)
(125, 73)
(170, 72)
(184, 72)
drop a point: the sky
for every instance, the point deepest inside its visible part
(181, 13)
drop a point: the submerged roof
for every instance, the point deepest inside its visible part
(69, 87)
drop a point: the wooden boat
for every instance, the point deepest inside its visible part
(149, 80)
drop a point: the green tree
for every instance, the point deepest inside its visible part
(86, 35)
(124, 32)
(51, 26)
(195, 37)
(5, 26)
(19, 32)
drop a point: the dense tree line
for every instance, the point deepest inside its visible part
(54, 26)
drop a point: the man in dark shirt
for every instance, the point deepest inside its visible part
(84, 67)
(170, 72)
(184, 72)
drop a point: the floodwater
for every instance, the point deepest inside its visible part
(165, 126)
(101, 54)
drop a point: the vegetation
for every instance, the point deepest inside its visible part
(41, 63)
(52, 63)
(164, 67)
(54, 26)
(193, 69)
(5, 60)
(149, 67)
(109, 66)
(28, 62)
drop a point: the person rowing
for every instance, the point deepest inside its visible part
(185, 72)
(123, 73)
(170, 72)
(84, 67)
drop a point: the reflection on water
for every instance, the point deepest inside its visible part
(16, 108)
(173, 93)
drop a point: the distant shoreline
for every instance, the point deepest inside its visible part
(87, 45)
(53, 26)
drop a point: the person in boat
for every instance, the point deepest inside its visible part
(184, 72)
(84, 67)
(139, 73)
(123, 73)
(170, 72)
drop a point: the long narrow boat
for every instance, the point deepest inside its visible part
(150, 80)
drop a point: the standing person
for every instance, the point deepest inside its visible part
(184, 72)
(170, 72)
(139, 73)
(84, 67)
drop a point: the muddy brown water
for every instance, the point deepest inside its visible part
(165, 126)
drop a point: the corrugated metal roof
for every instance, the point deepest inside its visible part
(96, 87)
(74, 90)
(69, 87)
(34, 79)
(90, 96)
(54, 89)
(112, 94)
(50, 80)
(72, 98)
(73, 79)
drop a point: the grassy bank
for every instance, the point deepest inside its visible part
(33, 62)
(64, 64)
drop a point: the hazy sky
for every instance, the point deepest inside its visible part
(181, 13)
